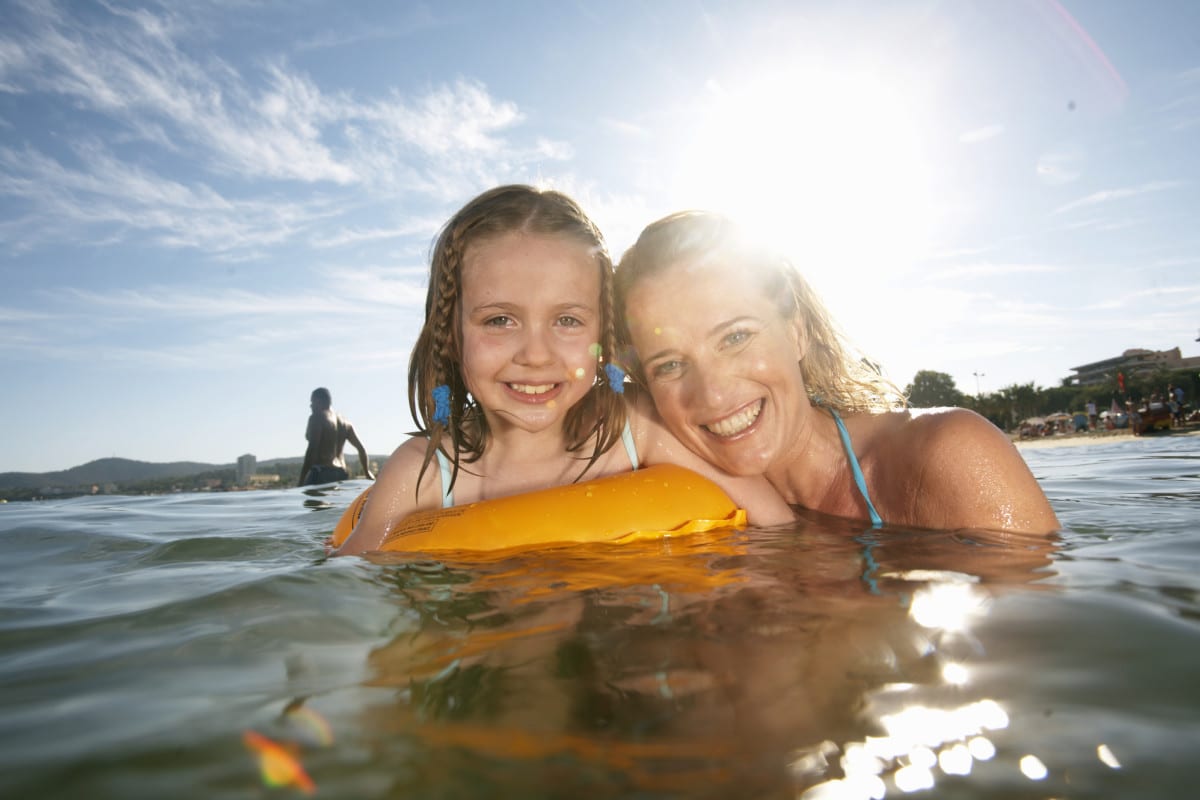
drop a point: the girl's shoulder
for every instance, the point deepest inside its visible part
(413, 471)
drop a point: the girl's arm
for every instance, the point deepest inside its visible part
(394, 496)
(657, 445)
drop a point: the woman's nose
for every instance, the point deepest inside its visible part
(707, 387)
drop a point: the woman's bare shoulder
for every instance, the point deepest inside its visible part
(962, 471)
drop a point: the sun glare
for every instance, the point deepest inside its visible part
(826, 164)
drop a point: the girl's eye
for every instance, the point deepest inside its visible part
(499, 321)
(570, 322)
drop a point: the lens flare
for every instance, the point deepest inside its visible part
(1033, 768)
(315, 728)
(1106, 756)
(278, 764)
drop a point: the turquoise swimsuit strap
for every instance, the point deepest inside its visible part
(630, 447)
(444, 467)
(876, 520)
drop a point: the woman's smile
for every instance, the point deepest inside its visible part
(736, 423)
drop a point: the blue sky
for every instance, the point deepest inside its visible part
(207, 209)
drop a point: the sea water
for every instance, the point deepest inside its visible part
(144, 641)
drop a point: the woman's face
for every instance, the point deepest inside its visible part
(721, 363)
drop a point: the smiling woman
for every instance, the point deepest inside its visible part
(748, 370)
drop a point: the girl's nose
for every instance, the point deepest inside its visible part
(535, 348)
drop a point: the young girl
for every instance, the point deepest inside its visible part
(511, 380)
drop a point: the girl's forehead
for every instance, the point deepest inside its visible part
(523, 265)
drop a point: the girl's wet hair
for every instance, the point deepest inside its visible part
(833, 375)
(437, 355)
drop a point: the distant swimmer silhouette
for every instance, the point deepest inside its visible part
(327, 435)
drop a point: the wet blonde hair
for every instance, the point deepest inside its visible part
(437, 355)
(834, 376)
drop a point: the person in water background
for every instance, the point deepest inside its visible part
(748, 370)
(327, 434)
(510, 381)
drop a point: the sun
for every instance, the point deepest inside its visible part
(827, 164)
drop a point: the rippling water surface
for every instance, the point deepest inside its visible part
(201, 646)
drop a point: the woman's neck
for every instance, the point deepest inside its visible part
(815, 472)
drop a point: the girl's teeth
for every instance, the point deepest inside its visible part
(530, 388)
(737, 423)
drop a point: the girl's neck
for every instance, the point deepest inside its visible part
(520, 461)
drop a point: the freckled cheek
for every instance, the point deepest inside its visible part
(759, 366)
(580, 360)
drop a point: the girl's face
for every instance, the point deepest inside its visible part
(722, 364)
(530, 324)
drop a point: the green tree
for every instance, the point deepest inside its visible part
(931, 389)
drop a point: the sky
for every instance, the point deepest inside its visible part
(208, 209)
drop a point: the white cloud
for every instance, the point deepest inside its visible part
(1057, 169)
(1108, 195)
(981, 134)
(988, 269)
(164, 107)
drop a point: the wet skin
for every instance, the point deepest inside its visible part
(530, 319)
(721, 365)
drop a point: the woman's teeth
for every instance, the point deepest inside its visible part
(736, 423)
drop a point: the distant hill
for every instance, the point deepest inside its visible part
(105, 470)
(127, 471)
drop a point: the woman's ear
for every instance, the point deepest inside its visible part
(799, 336)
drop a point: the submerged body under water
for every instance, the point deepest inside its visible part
(202, 646)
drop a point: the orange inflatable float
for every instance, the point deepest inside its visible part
(653, 502)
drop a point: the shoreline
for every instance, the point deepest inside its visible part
(1098, 437)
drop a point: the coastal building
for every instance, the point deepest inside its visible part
(1135, 361)
(245, 468)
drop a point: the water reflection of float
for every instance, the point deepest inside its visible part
(732, 663)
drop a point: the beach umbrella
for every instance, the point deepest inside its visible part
(1035, 421)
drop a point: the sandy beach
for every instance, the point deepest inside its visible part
(1100, 437)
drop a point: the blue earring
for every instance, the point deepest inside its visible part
(441, 404)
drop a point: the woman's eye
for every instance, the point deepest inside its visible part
(736, 337)
(665, 369)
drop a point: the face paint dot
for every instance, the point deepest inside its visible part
(595, 349)
(579, 373)
(658, 331)
(552, 404)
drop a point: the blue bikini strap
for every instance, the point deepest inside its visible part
(444, 467)
(876, 520)
(630, 447)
